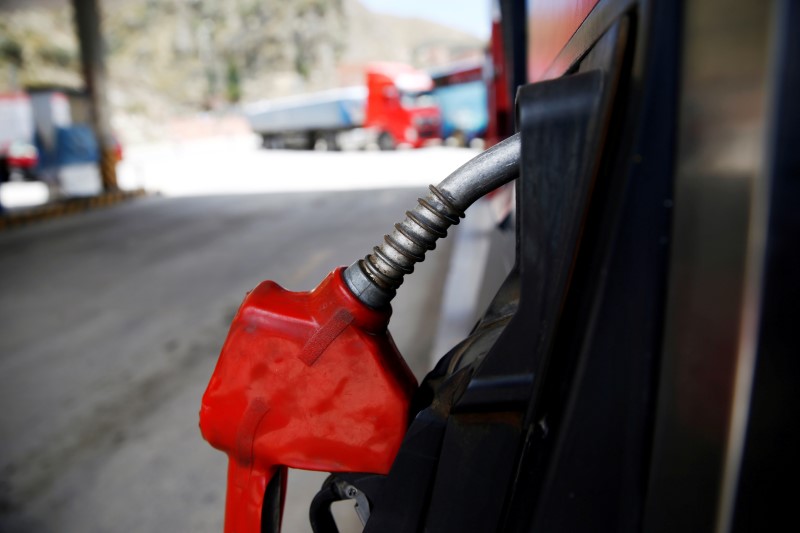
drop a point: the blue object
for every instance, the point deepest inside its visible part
(74, 144)
(464, 109)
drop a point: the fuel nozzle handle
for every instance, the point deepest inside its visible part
(312, 379)
(374, 280)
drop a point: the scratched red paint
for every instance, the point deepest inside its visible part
(551, 23)
(270, 405)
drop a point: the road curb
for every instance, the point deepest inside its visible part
(24, 217)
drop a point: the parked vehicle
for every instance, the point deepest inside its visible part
(45, 136)
(69, 151)
(460, 90)
(73, 162)
(394, 108)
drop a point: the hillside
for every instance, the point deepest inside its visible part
(175, 57)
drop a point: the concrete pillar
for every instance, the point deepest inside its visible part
(87, 23)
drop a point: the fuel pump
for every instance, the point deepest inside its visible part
(313, 380)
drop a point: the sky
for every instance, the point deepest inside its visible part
(472, 16)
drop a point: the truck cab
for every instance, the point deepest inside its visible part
(400, 106)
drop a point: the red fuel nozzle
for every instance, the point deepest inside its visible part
(307, 380)
(312, 380)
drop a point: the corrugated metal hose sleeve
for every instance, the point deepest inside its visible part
(375, 279)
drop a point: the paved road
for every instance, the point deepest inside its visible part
(110, 323)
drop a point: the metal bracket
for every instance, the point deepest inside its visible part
(341, 487)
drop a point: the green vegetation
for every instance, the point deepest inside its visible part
(11, 52)
(233, 87)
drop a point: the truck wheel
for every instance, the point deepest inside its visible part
(272, 142)
(28, 175)
(326, 142)
(333, 142)
(456, 139)
(386, 141)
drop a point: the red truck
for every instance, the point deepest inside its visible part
(394, 108)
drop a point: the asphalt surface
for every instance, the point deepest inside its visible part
(111, 322)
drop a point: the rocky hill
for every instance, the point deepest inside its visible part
(168, 57)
